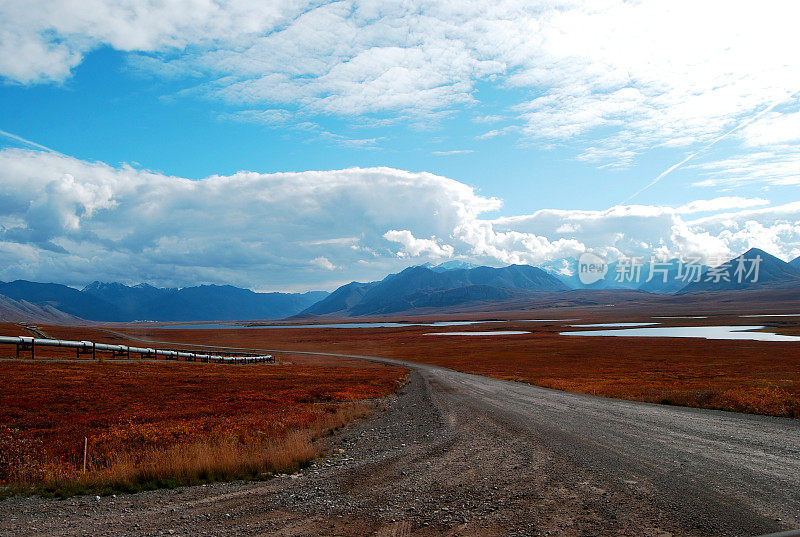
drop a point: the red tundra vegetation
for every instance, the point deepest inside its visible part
(158, 424)
(743, 376)
(182, 422)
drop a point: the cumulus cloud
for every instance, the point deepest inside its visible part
(67, 220)
(43, 40)
(251, 229)
(414, 247)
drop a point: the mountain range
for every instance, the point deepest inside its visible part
(740, 274)
(429, 288)
(433, 287)
(100, 301)
(667, 277)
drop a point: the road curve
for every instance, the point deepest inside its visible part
(459, 454)
(717, 472)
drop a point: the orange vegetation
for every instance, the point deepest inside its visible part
(745, 376)
(151, 424)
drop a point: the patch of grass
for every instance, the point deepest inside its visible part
(205, 460)
(744, 376)
(152, 425)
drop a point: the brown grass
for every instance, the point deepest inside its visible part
(163, 424)
(213, 458)
(742, 376)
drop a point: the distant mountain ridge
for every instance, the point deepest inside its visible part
(421, 287)
(772, 273)
(435, 287)
(116, 302)
(63, 298)
(666, 277)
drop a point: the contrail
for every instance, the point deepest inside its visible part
(708, 146)
(27, 142)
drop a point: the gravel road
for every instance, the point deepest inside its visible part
(457, 454)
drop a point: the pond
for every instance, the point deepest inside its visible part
(610, 325)
(707, 332)
(495, 333)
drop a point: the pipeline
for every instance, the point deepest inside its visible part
(24, 343)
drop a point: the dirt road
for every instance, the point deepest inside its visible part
(456, 454)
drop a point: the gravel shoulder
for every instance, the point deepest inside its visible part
(457, 454)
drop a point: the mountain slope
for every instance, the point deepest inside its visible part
(773, 273)
(129, 299)
(614, 277)
(226, 303)
(100, 301)
(341, 300)
(22, 311)
(420, 286)
(676, 277)
(63, 298)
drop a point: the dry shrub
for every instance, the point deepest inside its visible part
(21, 457)
(201, 460)
(161, 424)
(224, 457)
(771, 400)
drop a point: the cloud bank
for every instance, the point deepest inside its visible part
(67, 220)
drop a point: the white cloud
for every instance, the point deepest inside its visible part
(492, 134)
(720, 204)
(43, 40)
(323, 263)
(67, 220)
(453, 152)
(265, 117)
(80, 221)
(613, 66)
(608, 157)
(488, 118)
(778, 167)
(414, 247)
(775, 128)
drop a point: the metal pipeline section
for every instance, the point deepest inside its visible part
(24, 343)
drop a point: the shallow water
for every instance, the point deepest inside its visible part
(541, 320)
(610, 325)
(681, 317)
(707, 332)
(495, 333)
(774, 315)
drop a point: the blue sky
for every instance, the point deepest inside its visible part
(110, 112)
(517, 133)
